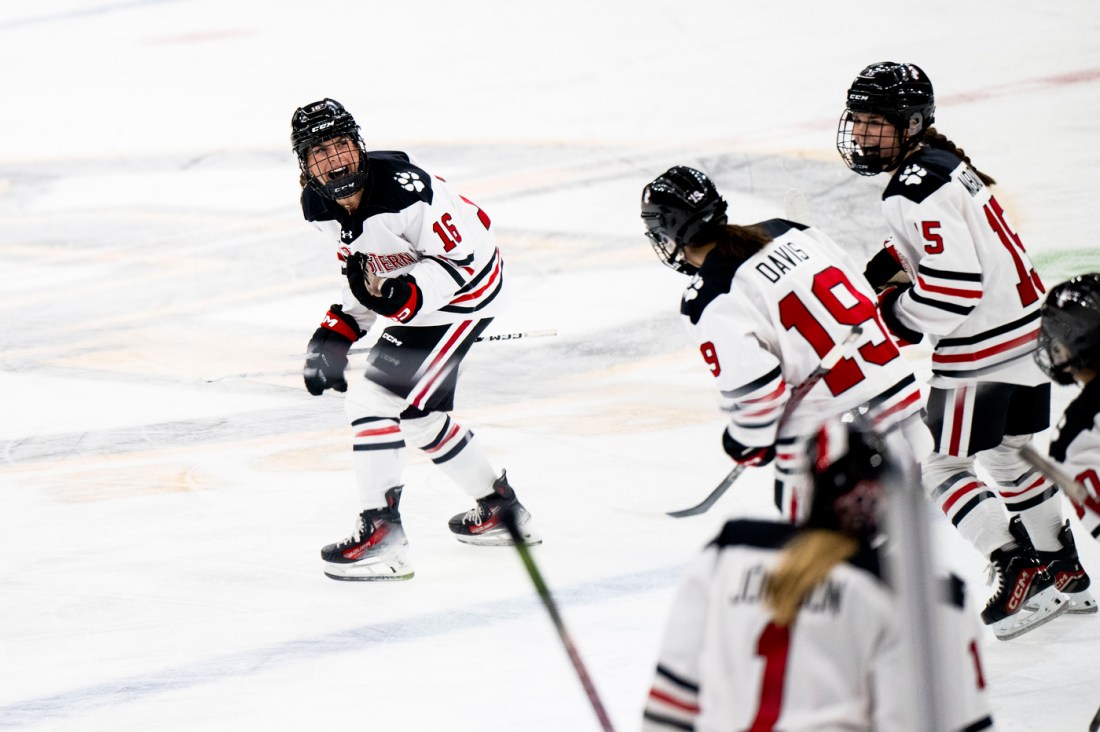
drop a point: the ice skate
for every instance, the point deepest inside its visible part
(376, 550)
(1020, 580)
(483, 524)
(1064, 565)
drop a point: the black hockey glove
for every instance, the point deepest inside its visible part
(399, 297)
(903, 334)
(746, 455)
(327, 352)
(883, 270)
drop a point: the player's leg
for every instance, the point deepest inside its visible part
(1033, 501)
(964, 421)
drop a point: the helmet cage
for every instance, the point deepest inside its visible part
(313, 128)
(680, 208)
(1069, 332)
(850, 466)
(903, 96)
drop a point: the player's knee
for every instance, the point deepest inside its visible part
(1004, 462)
(367, 399)
(937, 469)
(423, 431)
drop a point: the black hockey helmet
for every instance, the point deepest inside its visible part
(316, 123)
(678, 208)
(849, 465)
(1069, 332)
(900, 93)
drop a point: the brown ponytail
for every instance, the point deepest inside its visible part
(934, 138)
(738, 242)
(806, 561)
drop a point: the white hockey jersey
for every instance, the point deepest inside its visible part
(724, 665)
(763, 325)
(975, 294)
(411, 222)
(1076, 448)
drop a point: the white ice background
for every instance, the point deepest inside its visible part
(166, 482)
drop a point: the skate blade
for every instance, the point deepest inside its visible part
(372, 571)
(1049, 604)
(1080, 603)
(499, 537)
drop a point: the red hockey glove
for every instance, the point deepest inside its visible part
(903, 334)
(746, 455)
(327, 352)
(399, 297)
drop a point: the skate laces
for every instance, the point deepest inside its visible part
(474, 515)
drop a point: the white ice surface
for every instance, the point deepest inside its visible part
(166, 483)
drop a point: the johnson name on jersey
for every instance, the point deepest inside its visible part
(410, 222)
(724, 664)
(975, 293)
(764, 323)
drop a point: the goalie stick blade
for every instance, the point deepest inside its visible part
(711, 499)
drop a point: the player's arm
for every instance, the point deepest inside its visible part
(948, 283)
(673, 701)
(1076, 450)
(751, 387)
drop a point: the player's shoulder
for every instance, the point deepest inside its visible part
(921, 174)
(395, 182)
(716, 275)
(316, 207)
(772, 535)
(1080, 416)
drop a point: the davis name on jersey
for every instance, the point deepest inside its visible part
(764, 323)
(410, 222)
(975, 293)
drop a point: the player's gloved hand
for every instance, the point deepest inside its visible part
(887, 300)
(327, 352)
(394, 297)
(884, 269)
(750, 456)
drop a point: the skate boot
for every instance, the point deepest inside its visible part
(1020, 579)
(376, 550)
(484, 524)
(1064, 565)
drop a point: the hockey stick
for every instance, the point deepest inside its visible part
(1094, 726)
(496, 337)
(1077, 492)
(509, 518)
(831, 359)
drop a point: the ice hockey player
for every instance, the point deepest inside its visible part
(1069, 351)
(765, 303)
(973, 293)
(424, 258)
(794, 628)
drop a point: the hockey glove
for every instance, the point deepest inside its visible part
(884, 270)
(327, 352)
(397, 297)
(746, 455)
(887, 301)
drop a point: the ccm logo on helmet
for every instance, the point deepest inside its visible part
(322, 126)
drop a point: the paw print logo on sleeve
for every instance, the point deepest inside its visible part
(410, 181)
(913, 175)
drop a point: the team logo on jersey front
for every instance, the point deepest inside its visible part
(913, 175)
(410, 181)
